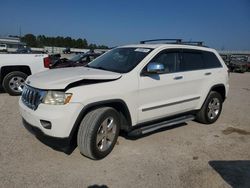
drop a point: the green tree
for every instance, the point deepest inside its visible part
(30, 40)
(102, 47)
(78, 43)
(92, 46)
(85, 43)
(42, 40)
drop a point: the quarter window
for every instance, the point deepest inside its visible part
(211, 61)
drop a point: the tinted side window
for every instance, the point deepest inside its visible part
(168, 59)
(191, 60)
(211, 61)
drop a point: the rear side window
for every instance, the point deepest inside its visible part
(191, 60)
(211, 60)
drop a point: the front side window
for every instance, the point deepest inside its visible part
(168, 59)
(121, 60)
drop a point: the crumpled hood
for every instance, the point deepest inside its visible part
(60, 78)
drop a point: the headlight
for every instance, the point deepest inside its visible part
(57, 98)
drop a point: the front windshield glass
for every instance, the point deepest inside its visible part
(76, 58)
(120, 60)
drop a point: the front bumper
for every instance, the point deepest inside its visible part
(62, 144)
(61, 117)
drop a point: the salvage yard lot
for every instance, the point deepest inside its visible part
(190, 155)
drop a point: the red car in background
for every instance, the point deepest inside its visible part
(76, 61)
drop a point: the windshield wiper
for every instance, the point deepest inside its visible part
(101, 68)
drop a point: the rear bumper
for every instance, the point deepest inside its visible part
(62, 144)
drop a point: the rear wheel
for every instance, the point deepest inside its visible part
(211, 109)
(13, 82)
(98, 132)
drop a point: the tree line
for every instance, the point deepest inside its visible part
(41, 40)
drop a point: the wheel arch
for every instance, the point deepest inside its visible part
(201, 114)
(8, 69)
(117, 104)
(221, 89)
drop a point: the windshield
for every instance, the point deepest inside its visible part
(76, 58)
(120, 60)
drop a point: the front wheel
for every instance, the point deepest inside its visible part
(211, 108)
(98, 132)
(13, 82)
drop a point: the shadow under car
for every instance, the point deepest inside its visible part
(235, 173)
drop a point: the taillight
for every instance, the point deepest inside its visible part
(46, 62)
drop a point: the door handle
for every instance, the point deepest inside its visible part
(178, 77)
(208, 73)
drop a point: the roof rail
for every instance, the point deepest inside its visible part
(198, 43)
(173, 41)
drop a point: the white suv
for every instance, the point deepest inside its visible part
(135, 88)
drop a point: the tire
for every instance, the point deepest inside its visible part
(13, 83)
(94, 140)
(211, 109)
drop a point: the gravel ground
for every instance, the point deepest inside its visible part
(191, 155)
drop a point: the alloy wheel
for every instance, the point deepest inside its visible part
(106, 134)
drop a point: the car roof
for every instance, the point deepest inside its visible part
(154, 46)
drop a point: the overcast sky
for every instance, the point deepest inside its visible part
(222, 24)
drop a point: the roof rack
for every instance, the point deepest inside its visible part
(173, 41)
(198, 43)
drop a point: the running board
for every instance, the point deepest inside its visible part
(150, 128)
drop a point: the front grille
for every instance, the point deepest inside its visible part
(32, 97)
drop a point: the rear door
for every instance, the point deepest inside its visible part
(192, 68)
(214, 73)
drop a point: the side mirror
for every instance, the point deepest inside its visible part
(155, 68)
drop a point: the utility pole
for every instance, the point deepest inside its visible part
(20, 32)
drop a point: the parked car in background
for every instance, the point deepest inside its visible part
(76, 61)
(66, 51)
(14, 69)
(226, 58)
(238, 64)
(25, 50)
(73, 50)
(3, 48)
(248, 63)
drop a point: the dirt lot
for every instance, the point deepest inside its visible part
(192, 155)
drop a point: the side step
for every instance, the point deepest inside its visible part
(144, 130)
